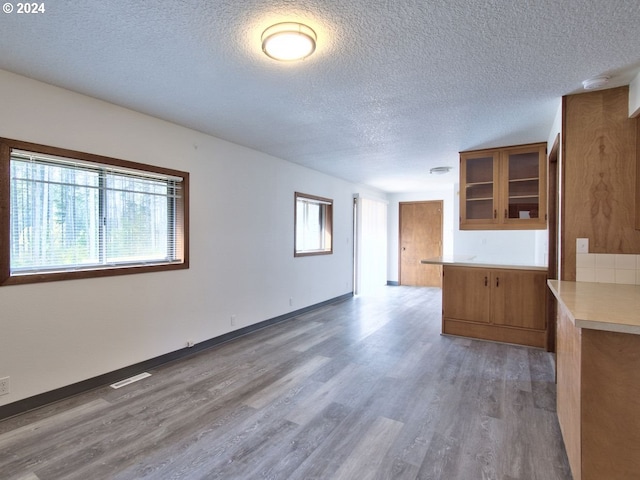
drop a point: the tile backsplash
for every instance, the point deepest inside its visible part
(608, 268)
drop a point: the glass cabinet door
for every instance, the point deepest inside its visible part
(504, 188)
(523, 186)
(479, 188)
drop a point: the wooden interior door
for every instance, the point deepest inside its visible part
(420, 238)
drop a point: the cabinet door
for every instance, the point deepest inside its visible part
(524, 186)
(519, 298)
(466, 294)
(479, 174)
(504, 188)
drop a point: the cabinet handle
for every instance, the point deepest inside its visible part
(495, 214)
(486, 281)
(505, 213)
(497, 281)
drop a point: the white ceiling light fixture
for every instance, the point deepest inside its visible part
(595, 82)
(289, 41)
(439, 170)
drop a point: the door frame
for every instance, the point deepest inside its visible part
(553, 205)
(436, 201)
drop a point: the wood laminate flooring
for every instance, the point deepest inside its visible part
(363, 389)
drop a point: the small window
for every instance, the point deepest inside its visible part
(313, 225)
(76, 215)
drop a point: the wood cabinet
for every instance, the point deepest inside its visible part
(505, 305)
(598, 400)
(504, 188)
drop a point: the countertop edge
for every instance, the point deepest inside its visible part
(553, 286)
(589, 323)
(466, 261)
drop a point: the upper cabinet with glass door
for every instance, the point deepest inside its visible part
(503, 188)
(479, 179)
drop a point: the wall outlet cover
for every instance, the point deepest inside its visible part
(5, 386)
(582, 245)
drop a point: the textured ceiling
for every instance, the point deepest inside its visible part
(394, 88)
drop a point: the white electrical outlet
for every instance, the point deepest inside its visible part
(582, 245)
(233, 319)
(291, 302)
(5, 386)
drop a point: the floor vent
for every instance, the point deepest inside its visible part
(127, 381)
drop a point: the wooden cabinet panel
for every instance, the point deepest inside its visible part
(598, 399)
(610, 388)
(568, 361)
(495, 304)
(599, 143)
(465, 294)
(519, 298)
(504, 188)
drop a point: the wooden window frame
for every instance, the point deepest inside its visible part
(327, 229)
(6, 146)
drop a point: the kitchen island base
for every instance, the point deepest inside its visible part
(498, 304)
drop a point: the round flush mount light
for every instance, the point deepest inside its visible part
(439, 170)
(596, 82)
(288, 41)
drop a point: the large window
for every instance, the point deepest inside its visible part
(313, 225)
(68, 214)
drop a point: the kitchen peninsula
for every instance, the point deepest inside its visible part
(493, 299)
(598, 368)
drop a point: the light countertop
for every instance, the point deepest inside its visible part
(482, 261)
(600, 306)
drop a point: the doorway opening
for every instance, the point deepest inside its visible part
(370, 245)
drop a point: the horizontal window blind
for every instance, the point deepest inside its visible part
(314, 201)
(68, 214)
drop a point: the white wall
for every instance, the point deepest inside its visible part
(528, 247)
(55, 334)
(556, 128)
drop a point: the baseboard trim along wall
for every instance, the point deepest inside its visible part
(52, 396)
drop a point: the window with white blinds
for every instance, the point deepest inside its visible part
(313, 225)
(70, 215)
